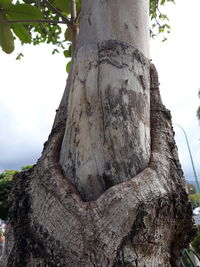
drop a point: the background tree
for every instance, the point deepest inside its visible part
(5, 186)
(108, 189)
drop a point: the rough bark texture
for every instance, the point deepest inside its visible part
(144, 221)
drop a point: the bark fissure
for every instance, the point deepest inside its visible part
(100, 97)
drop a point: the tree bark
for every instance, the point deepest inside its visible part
(108, 189)
(107, 135)
(126, 21)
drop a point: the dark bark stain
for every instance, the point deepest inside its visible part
(107, 181)
(88, 109)
(89, 21)
(110, 51)
(117, 108)
(142, 82)
(125, 26)
(94, 183)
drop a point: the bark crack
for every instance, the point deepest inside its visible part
(100, 96)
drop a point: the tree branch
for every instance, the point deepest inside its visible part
(73, 10)
(66, 20)
(74, 25)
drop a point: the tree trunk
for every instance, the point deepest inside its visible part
(107, 134)
(108, 189)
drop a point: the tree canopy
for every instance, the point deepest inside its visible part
(55, 22)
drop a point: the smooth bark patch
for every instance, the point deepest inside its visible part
(109, 104)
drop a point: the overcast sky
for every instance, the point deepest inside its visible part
(178, 64)
(32, 88)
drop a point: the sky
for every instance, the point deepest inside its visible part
(32, 88)
(178, 64)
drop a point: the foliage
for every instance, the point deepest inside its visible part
(5, 186)
(195, 200)
(159, 20)
(196, 242)
(27, 167)
(39, 21)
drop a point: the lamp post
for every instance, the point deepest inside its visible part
(190, 153)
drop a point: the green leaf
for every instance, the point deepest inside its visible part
(5, 3)
(22, 33)
(68, 66)
(23, 12)
(63, 5)
(68, 34)
(19, 56)
(55, 51)
(68, 53)
(6, 37)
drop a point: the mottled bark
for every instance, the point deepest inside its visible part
(107, 135)
(144, 221)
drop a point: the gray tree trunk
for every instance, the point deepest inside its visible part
(108, 189)
(107, 134)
